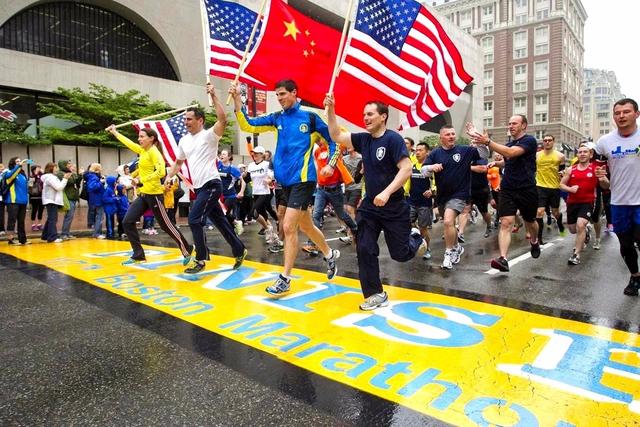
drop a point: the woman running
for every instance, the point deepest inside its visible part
(152, 169)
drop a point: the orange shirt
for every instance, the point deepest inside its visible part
(493, 175)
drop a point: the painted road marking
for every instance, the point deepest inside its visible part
(523, 257)
(460, 361)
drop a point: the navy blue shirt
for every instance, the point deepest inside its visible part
(520, 172)
(479, 180)
(380, 157)
(454, 181)
(419, 184)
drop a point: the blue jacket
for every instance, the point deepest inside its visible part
(95, 188)
(123, 202)
(296, 134)
(109, 198)
(17, 184)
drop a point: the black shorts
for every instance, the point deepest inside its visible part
(548, 197)
(299, 196)
(352, 197)
(597, 207)
(480, 198)
(579, 210)
(281, 200)
(523, 200)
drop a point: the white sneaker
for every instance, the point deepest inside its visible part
(58, 240)
(456, 253)
(237, 226)
(375, 301)
(210, 227)
(101, 236)
(447, 263)
(596, 244)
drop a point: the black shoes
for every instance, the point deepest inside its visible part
(535, 250)
(632, 287)
(500, 263)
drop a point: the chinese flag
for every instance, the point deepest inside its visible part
(296, 47)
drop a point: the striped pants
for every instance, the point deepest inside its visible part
(136, 209)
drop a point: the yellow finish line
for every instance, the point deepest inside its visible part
(463, 362)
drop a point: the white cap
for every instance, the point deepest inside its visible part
(589, 144)
(259, 149)
(242, 165)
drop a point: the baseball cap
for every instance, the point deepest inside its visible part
(589, 144)
(242, 165)
(259, 149)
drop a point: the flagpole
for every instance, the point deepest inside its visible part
(246, 50)
(345, 27)
(205, 44)
(154, 116)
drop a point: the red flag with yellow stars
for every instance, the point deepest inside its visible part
(294, 46)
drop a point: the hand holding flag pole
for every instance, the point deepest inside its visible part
(246, 51)
(154, 116)
(343, 38)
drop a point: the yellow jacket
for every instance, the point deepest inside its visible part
(151, 166)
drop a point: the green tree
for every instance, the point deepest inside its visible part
(13, 133)
(433, 141)
(91, 111)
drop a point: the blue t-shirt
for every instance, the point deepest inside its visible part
(479, 180)
(454, 181)
(419, 184)
(520, 172)
(228, 175)
(380, 157)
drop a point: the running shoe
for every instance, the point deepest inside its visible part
(427, 254)
(237, 226)
(487, 232)
(277, 247)
(195, 267)
(456, 253)
(347, 240)
(500, 263)
(375, 301)
(341, 230)
(332, 266)
(460, 238)
(574, 259)
(132, 261)
(310, 248)
(281, 285)
(587, 237)
(535, 250)
(633, 286)
(596, 244)
(240, 259)
(447, 263)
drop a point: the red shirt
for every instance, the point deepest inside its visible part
(322, 159)
(586, 181)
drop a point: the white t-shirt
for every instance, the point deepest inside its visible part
(201, 152)
(259, 173)
(623, 155)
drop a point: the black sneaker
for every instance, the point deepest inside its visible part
(332, 267)
(487, 232)
(535, 250)
(240, 259)
(632, 287)
(460, 238)
(500, 263)
(587, 237)
(262, 231)
(195, 267)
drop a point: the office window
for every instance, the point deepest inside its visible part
(487, 48)
(488, 107)
(541, 75)
(541, 117)
(520, 78)
(79, 32)
(541, 40)
(542, 10)
(542, 100)
(488, 90)
(488, 76)
(520, 41)
(487, 122)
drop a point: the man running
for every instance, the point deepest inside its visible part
(384, 208)
(200, 148)
(451, 164)
(420, 196)
(621, 148)
(293, 168)
(518, 187)
(549, 164)
(580, 182)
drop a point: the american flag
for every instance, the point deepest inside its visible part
(169, 133)
(230, 27)
(400, 54)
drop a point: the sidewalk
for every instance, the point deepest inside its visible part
(78, 225)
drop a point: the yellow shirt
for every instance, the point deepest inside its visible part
(151, 166)
(547, 169)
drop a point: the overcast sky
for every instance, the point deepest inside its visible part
(612, 28)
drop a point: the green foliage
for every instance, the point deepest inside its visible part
(12, 133)
(433, 141)
(92, 111)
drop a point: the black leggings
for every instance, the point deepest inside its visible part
(37, 208)
(262, 207)
(628, 249)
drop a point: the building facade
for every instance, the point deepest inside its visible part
(601, 91)
(154, 47)
(533, 60)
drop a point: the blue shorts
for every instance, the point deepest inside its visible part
(624, 218)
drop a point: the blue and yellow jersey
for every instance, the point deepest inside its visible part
(295, 135)
(17, 186)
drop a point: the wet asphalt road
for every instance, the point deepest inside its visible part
(79, 355)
